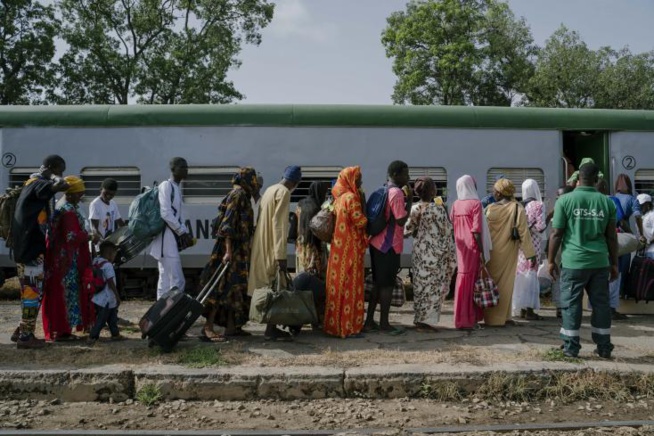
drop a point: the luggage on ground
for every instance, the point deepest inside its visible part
(173, 314)
(640, 281)
(283, 306)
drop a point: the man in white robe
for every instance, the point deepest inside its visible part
(164, 248)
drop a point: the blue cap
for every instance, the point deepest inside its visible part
(293, 174)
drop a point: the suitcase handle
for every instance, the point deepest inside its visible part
(213, 281)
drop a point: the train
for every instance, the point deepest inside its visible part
(133, 144)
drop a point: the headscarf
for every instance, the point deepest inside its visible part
(309, 207)
(246, 178)
(75, 185)
(623, 185)
(422, 185)
(530, 190)
(466, 188)
(293, 173)
(346, 181)
(505, 187)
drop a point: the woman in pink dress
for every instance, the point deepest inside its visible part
(472, 247)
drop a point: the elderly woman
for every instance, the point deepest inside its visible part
(67, 300)
(526, 296)
(433, 259)
(473, 247)
(344, 307)
(503, 215)
(228, 304)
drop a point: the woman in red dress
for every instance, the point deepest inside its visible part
(344, 308)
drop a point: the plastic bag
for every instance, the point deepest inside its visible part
(526, 291)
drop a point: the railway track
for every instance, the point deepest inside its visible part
(502, 428)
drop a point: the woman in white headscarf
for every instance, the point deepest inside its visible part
(473, 247)
(526, 291)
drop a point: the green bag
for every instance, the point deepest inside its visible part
(283, 306)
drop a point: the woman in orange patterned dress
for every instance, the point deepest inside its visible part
(344, 309)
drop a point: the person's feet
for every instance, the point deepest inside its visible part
(391, 330)
(15, 335)
(617, 316)
(421, 327)
(30, 342)
(370, 327)
(604, 354)
(209, 335)
(530, 315)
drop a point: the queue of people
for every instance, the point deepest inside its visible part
(505, 238)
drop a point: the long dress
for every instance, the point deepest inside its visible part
(67, 297)
(344, 311)
(504, 257)
(433, 260)
(525, 298)
(466, 219)
(270, 237)
(237, 223)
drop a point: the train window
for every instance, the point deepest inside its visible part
(517, 176)
(207, 183)
(437, 174)
(313, 174)
(644, 181)
(128, 178)
(18, 176)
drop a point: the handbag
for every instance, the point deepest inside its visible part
(515, 234)
(398, 297)
(485, 294)
(283, 306)
(323, 223)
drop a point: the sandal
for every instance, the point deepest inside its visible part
(211, 336)
(394, 331)
(278, 335)
(371, 328)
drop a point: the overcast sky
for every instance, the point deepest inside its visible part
(329, 51)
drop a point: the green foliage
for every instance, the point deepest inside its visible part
(155, 51)
(149, 395)
(201, 357)
(27, 32)
(457, 52)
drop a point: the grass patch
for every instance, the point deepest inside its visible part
(149, 395)
(201, 357)
(441, 391)
(556, 355)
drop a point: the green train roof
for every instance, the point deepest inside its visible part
(326, 115)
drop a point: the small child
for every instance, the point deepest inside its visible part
(106, 301)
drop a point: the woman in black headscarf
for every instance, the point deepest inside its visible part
(309, 250)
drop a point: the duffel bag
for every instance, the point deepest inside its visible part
(283, 306)
(627, 243)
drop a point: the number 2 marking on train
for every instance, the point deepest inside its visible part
(8, 160)
(629, 162)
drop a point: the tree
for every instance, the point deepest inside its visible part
(567, 72)
(155, 51)
(627, 82)
(27, 47)
(457, 52)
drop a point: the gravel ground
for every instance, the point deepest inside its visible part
(316, 414)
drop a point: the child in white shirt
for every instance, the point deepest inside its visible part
(107, 300)
(103, 211)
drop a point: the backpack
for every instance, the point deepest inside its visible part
(99, 281)
(375, 211)
(145, 214)
(8, 203)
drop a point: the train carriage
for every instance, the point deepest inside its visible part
(133, 144)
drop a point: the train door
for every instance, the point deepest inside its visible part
(578, 145)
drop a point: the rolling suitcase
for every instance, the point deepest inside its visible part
(640, 282)
(173, 314)
(128, 245)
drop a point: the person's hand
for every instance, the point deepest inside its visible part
(408, 192)
(59, 185)
(614, 273)
(554, 270)
(187, 240)
(281, 263)
(227, 257)
(532, 262)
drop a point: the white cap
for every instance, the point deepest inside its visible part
(644, 198)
